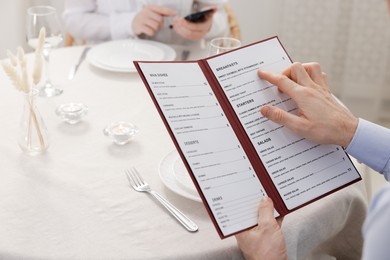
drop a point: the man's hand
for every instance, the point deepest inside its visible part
(193, 31)
(266, 240)
(321, 117)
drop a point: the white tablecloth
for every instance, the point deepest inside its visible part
(74, 201)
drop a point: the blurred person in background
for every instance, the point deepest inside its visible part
(160, 20)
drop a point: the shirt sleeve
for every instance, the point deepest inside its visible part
(83, 23)
(371, 146)
(120, 25)
(376, 227)
(83, 20)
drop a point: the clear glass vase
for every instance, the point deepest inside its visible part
(34, 138)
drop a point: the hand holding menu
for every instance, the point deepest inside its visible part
(234, 155)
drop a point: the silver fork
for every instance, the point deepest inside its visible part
(139, 184)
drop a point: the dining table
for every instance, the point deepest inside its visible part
(74, 200)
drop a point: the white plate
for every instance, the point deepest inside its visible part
(174, 175)
(118, 56)
(181, 175)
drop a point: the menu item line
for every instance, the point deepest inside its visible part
(196, 118)
(230, 183)
(180, 86)
(190, 108)
(221, 163)
(330, 166)
(214, 152)
(183, 97)
(245, 204)
(202, 130)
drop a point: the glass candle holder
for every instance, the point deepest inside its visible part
(120, 132)
(72, 113)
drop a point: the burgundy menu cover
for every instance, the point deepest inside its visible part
(234, 155)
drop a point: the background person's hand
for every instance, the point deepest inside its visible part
(150, 19)
(193, 31)
(321, 118)
(265, 241)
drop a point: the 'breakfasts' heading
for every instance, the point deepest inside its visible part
(227, 66)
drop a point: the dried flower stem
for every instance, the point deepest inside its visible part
(33, 116)
(21, 82)
(13, 75)
(12, 58)
(37, 72)
(29, 131)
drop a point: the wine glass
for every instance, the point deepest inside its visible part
(223, 44)
(38, 17)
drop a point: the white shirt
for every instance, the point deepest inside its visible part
(102, 20)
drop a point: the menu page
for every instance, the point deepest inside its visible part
(300, 170)
(218, 162)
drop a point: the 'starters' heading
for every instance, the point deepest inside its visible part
(227, 66)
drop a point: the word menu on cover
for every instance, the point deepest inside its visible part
(234, 155)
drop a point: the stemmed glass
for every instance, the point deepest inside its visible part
(38, 17)
(223, 44)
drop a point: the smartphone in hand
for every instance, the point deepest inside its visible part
(198, 17)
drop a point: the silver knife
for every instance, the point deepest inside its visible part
(75, 67)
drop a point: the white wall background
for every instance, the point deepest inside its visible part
(350, 38)
(11, 26)
(13, 22)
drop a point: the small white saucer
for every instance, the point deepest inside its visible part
(175, 177)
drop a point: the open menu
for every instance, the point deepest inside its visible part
(234, 155)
